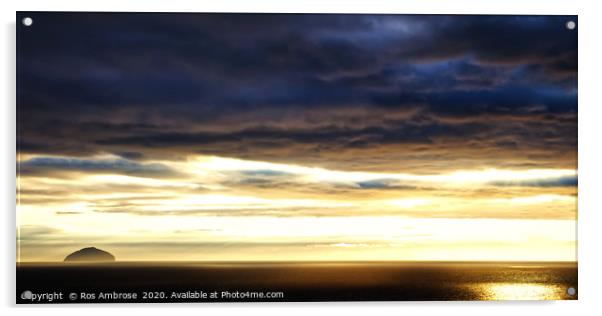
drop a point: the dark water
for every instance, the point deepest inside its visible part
(298, 281)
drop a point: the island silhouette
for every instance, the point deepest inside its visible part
(90, 254)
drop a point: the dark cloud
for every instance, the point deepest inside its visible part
(67, 213)
(384, 184)
(568, 181)
(401, 134)
(381, 92)
(130, 155)
(265, 173)
(40, 165)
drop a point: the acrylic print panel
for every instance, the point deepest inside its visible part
(295, 157)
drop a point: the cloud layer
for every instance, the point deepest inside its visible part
(378, 92)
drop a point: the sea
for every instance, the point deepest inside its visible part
(194, 282)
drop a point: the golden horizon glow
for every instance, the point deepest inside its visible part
(219, 208)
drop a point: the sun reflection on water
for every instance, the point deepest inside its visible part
(521, 291)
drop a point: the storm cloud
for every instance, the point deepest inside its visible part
(398, 92)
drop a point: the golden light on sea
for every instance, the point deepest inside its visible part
(522, 291)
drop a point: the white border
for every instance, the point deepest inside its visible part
(590, 145)
(313, 6)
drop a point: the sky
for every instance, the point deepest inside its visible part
(281, 137)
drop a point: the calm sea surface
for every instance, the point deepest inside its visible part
(308, 281)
